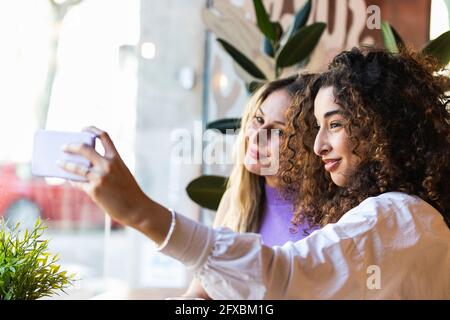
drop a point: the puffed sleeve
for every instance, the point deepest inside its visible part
(324, 265)
(331, 263)
(238, 266)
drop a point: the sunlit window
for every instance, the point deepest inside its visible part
(64, 72)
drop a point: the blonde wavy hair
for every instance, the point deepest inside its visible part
(241, 205)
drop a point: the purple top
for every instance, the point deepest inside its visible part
(276, 220)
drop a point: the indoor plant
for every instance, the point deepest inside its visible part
(28, 271)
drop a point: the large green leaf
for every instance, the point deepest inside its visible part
(440, 48)
(223, 124)
(300, 45)
(207, 191)
(299, 21)
(262, 20)
(388, 37)
(242, 60)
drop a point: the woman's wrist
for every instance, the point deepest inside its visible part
(151, 219)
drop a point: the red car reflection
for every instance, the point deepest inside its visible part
(24, 197)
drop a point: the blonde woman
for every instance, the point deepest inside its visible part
(252, 201)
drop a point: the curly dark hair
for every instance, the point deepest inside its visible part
(398, 124)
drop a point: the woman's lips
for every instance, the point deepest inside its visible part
(256, 154)
(332, 164)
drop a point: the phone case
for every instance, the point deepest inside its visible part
(47, 151)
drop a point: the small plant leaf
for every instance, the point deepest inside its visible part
(225, 125)
(242, 60)
(24, 272)
(439, 48)
(388, 37)
(207, 191)
(8, 295)
(300, 45)
(54, 268)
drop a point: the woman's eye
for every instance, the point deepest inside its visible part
(335, 125)
(279, 132)
(260, 120)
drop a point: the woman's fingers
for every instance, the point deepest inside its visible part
(110, 149)
(84, 150)
(91, 174)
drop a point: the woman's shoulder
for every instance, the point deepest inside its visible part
(393, 202)
(393, 211)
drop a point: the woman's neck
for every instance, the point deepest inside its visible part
(273, 194)
(272, 182)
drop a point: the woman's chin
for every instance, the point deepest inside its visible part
(339, 181)
(253, 168)
(252, 165)
(257, 168)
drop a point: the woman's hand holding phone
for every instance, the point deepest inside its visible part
(111, 186)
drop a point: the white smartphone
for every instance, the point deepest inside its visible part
(47, 151)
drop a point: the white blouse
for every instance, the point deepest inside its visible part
(393, 246)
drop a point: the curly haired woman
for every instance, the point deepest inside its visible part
(378, 123)
(373, 174)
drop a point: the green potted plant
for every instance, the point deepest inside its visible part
(262, 52)
(28, 271)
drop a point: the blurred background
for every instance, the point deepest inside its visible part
(145, 70)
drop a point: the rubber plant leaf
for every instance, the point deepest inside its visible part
(300, 45)
(207, 190)
(263, 22)
(242, 60)
(299, 21)
(439, 48)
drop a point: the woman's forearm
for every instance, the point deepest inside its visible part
(152, 219)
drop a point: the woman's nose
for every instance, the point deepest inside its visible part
(321, 145)
(263, 136)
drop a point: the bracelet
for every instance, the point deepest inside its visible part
(169, 234)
